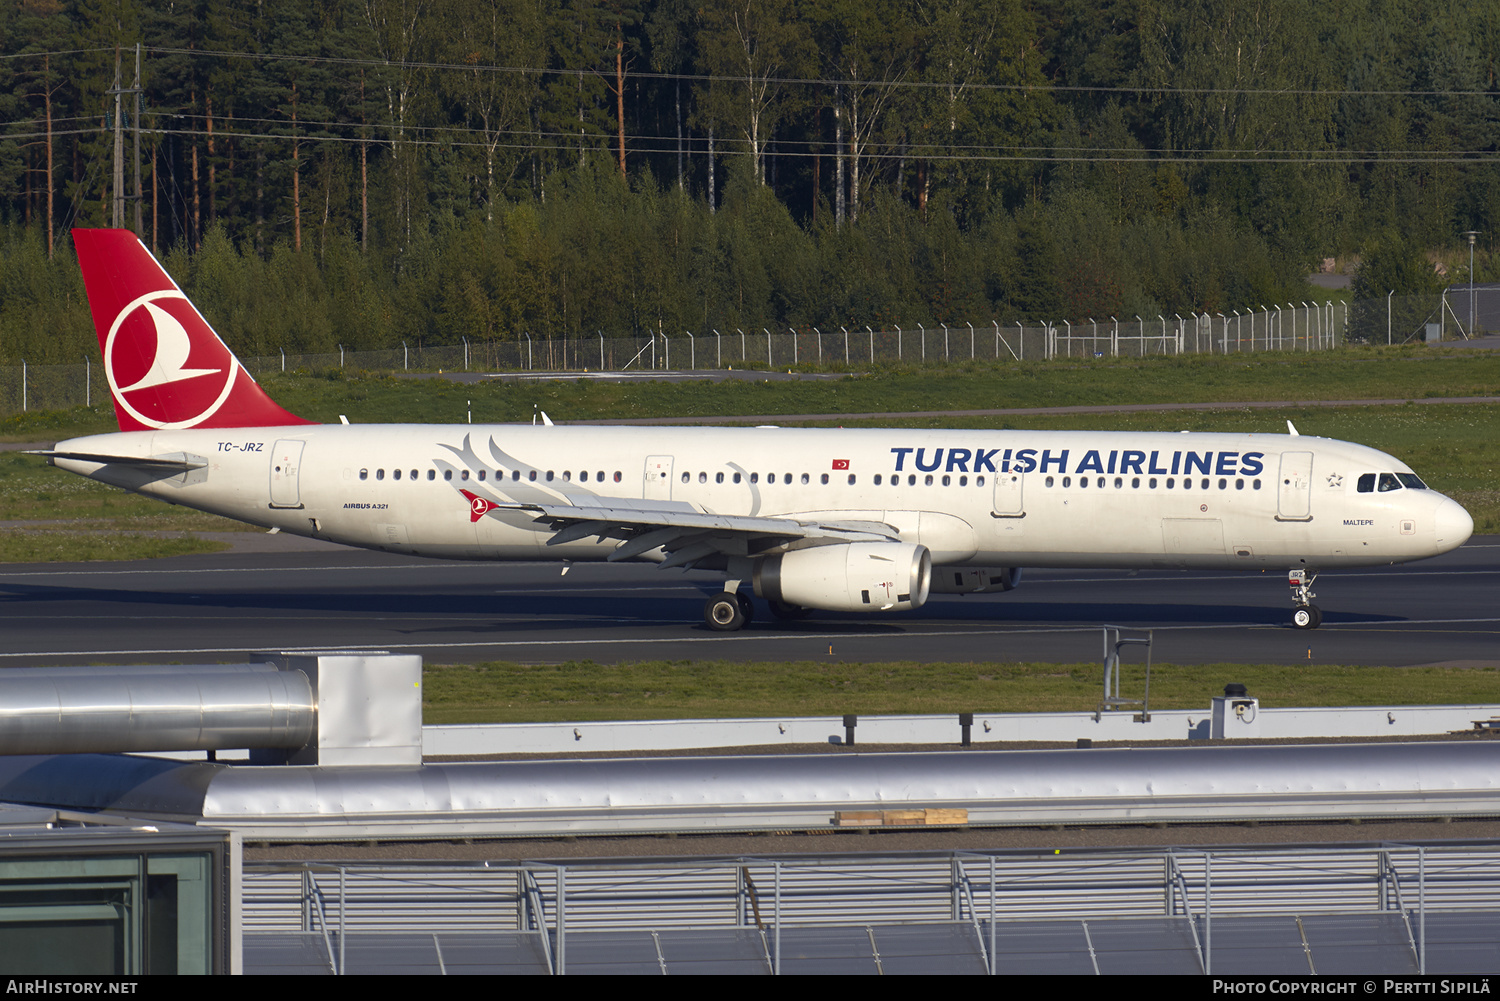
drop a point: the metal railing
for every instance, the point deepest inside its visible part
(973, 890)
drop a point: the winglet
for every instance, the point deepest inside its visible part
(1292, 430)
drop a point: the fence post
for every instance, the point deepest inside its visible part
(924, 343)
(23, 385)
(945, 342)
(88, 380)
(971, 339)
(872, 343)
(768, 344)
(898, 340)
(718, 349)
(341, 356)
(692, 350)
(793, 332)
(405, 357)
(846, 345)
(820, 344)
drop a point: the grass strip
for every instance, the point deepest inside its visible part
(581, 691)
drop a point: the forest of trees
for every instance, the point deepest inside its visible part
(318, 172)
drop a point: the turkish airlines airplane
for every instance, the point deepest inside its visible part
(838, 520)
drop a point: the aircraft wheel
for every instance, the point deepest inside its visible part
(723, 612)
(747, 607)
(787, 612)
(1307, 617)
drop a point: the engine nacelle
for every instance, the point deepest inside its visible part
(853, 577)
(975, 580)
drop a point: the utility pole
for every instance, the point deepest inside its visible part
(119, 92)
(135, 124)
(118, 216)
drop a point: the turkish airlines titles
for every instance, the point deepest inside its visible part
(1028, 460)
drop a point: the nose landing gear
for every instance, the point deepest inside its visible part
(1305, 615)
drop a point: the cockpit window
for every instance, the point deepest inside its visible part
(1388, 481)
(1411, 481)
(1367, 483)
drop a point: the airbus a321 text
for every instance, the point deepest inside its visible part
(837, 520)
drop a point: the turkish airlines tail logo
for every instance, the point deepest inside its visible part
(166, 367)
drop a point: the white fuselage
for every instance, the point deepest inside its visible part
(976, 498)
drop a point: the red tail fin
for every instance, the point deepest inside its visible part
(166, 366)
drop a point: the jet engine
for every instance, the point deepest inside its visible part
(853, 577)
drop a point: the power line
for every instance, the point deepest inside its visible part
(1040, 88)
(667, 146)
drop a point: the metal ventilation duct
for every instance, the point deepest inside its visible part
(61, 710)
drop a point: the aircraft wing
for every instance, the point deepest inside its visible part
(685, 533)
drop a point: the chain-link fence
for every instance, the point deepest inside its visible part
(1295, 327)
(1460, 311)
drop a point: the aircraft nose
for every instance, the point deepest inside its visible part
(1453, 525)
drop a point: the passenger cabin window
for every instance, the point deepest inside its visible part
(364, 474)
(380, 474)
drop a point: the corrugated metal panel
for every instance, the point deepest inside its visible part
(686, 897)
(379, 899)
(1086, 886)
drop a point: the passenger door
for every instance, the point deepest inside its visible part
(1294, 487)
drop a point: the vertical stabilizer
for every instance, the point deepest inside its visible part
(165, 365)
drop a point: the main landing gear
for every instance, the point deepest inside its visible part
(1305, 615)
(727, 611)
(730, 610)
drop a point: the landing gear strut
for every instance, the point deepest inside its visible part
(1305, 615)
(727, 611)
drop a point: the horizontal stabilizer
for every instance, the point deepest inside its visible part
(178, 461)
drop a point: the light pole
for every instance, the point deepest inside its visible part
(1473, 293)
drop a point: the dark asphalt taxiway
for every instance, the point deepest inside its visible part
(216, 607)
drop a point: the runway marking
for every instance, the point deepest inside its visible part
(728, 637)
